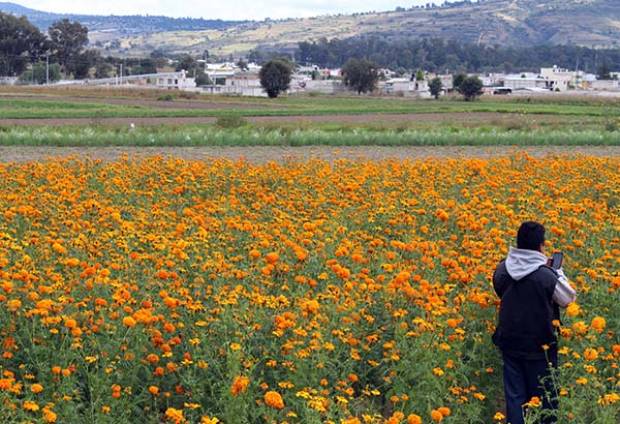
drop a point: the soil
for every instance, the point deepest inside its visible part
(283, 154)
(490, 118)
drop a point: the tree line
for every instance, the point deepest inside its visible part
(37, 57)
(452, 56)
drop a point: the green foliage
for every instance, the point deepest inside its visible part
(457, 80)
(275, 77)
(360, 75)
(102, 69)
(470, 88)
(603, 71)
(38, 74)
(21, 43)
(233, 130)
(203, 79)
(68, 39)
(187, 63)
(439, 55)
(435, 86)
(230, 121)
(165, 98)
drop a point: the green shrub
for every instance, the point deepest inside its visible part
(230, 121)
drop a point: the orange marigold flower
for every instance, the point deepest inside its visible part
(272, 257)
(273, 400)
(414, 419)
(598, 323)
(445, 411)
(36, 388)
(436, 416)
(240, 385)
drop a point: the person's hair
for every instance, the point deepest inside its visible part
(531, 235)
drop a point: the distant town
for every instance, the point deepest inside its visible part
(242, 79)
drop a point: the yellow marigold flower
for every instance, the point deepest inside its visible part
(206, 420)
(590, 354)
(573, 310)
(273, 400)
(30, 406)
(174, 415)
(498, 416)
(609, 399)
(129, 322)
(36, 388)
(49, 416)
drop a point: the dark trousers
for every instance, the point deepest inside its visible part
(522, 380)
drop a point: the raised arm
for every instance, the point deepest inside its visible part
(564, 294)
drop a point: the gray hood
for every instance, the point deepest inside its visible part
(522, 262)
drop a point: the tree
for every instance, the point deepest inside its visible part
(360, 75)
(603, 71)
(275, 77)
(102, 69)
(457, 80)
(202, 79)
(435, 86)
(38, 74)
(67, 41)
(84, 62)
(189, 64)
(21, 43)
(242, 64)
(470, 88)
(146, 66)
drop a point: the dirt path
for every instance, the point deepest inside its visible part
(152, 103)
(266, 154)
(491, 118)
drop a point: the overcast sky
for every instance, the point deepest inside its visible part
(231, 9)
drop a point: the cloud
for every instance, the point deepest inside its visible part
(232, 10)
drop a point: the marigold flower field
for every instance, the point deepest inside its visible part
(351, 292)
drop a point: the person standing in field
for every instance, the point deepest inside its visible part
(531, 294)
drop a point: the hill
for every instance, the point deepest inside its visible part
(591, 23)
(118, 26)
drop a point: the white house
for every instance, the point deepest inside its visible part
(560, 79)
(524, 81)
(174, 81)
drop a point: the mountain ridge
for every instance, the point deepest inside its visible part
(122, 24)
(591, 23)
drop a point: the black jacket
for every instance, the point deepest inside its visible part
(526, 313)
